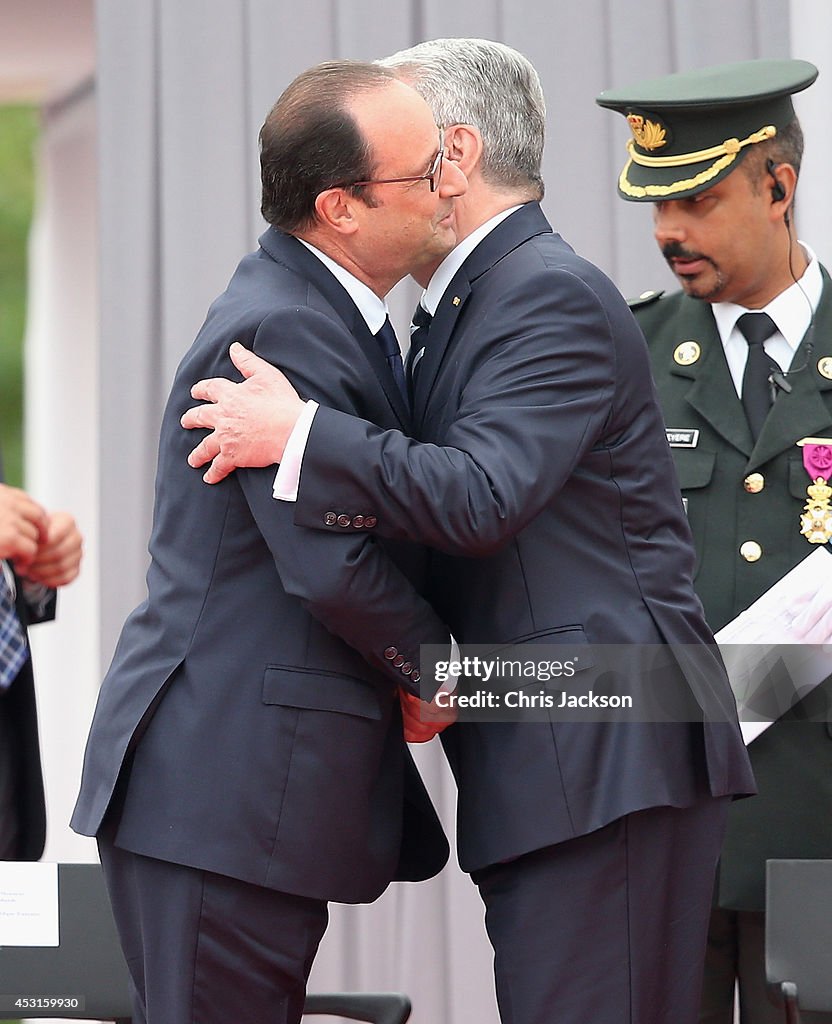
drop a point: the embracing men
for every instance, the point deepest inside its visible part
(542, 481)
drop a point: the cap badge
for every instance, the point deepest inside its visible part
(648, 134)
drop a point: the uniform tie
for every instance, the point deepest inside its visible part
(756, 389)
(13, 649)
(389, 345)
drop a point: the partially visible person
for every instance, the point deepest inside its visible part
(246, 762)
(742, 357)
(40, 551)
(542, 479)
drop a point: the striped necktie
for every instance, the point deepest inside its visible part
(13, 648)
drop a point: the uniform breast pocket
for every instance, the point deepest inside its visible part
(695, 470)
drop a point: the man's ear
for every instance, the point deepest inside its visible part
(463, 145)
(336, 209)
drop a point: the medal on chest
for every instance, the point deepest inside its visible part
(816, 520)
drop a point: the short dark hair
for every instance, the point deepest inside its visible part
(785, 148)
(310, 142)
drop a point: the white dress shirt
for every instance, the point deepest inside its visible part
(792, 312)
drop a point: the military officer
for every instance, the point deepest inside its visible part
(742, 357)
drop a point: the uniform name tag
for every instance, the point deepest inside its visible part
(682, 437)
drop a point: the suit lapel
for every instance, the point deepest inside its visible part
(711, 393)
(291, 253)
(802, 412)
(516, 229)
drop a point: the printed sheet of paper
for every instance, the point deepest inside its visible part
(769, 667)
(28, 904)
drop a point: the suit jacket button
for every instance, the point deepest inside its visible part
(390, 653)
(370, 522)
(358, 522)
(398, 661)
(751, 551)
(407, 668)
(330, 519)
(417, 675)
(344, 520)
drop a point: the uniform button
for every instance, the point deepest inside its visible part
(358, 522)
(398, 661)
(390, 652)
(751, 551)
(370, 522)
(754, 483)
(330, 519)
(417, 675)
(344, 520)
(407, 668)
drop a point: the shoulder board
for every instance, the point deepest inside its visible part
(645, 299)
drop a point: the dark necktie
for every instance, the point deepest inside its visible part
(13, 650)
(419, 328)
(389, 345)
(756, 389)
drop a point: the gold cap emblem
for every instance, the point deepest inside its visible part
(647, 134)
(686, 353)
(825, 367)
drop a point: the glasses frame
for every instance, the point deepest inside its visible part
(433, 176)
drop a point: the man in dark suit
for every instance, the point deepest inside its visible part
(246, 762)
(723, 219)
(39, 552)
(544, 483)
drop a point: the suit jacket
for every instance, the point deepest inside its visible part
(249, 723)
(554, 504)
(21, 707)
(792, 760)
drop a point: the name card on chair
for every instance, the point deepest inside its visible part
(28, 904)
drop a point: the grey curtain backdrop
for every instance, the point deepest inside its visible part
(181, 91)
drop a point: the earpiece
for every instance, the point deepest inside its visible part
(777, 190)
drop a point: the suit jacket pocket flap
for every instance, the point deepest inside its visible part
(320, 691)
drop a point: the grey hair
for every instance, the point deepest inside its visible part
(492, 87)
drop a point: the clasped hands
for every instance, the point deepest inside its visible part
(44, 547)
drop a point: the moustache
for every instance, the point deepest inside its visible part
(676, 251)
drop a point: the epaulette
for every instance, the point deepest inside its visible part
(644, 299)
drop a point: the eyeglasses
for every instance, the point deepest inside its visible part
(433, 176)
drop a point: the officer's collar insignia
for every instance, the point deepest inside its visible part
(687, 353)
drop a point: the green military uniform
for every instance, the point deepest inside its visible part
(715, 456)
(744, 497)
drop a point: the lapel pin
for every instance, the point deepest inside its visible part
(457, 300)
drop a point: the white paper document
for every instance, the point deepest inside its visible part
(770, 668)
(28, 904)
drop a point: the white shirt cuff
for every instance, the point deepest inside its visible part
(287, 480)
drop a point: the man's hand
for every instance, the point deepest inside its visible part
(58, 557)
(250, 422)
(423, 721)
(23, 526)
